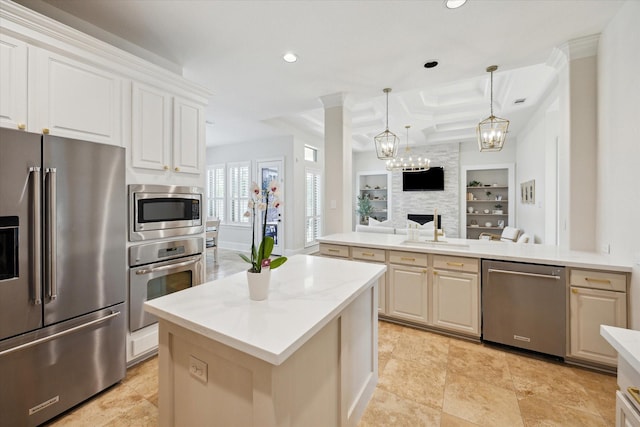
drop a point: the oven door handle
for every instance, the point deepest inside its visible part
(167, 267)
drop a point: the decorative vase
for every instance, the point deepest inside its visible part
(259, 284)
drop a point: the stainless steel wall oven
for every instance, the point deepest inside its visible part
(161, 211)
(158, 269)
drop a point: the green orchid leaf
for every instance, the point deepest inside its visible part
(277, 262)
(268, 246)
(246, 258)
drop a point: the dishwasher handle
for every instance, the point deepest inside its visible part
(522, 273)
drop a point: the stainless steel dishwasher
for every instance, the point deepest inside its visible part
(524, 305)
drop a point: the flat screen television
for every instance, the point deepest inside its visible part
(429, 180)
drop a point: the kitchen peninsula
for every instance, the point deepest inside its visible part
(441, 286)
(305, 356)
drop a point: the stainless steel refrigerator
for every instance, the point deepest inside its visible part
(62, 273)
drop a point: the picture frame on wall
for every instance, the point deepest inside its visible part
(528, 192)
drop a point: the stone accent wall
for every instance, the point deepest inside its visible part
(424, 202)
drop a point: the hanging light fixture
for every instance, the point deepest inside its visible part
(386, 142)
(492, 131)
(408, 163)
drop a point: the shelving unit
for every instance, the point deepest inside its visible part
(487, 206)
(376, 186)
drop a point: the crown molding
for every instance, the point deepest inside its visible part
(42, 31)
(340, 99)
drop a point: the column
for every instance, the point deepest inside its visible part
(337, 196)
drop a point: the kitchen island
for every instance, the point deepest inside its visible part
(305, 356)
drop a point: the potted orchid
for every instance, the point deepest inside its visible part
(259, 201)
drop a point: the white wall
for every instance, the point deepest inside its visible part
(618, 176)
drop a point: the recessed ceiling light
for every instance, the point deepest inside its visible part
(454, 4)
(290, 57)
(431, 64)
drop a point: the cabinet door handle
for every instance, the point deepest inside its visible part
(22, 126)
(435, 272)
(635, 393)
(45, 131)
(575, 291)
(591, 279)
(407, 259)
(165, 167)
(177, 169)
(456, 264)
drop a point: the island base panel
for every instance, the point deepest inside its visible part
(328, 381)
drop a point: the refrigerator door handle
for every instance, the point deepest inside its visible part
(36, 236)
(59, 334)
(50, 227)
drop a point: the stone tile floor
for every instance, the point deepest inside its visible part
(425, 379)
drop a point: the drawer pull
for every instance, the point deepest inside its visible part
(368, 254)
(333, 250)
(635, 393)
(407, 259)
(455, 264)
(575, 291)
(605, 281)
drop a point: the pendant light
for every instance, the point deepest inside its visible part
(492, 131)
(386, 142)
(408, 163)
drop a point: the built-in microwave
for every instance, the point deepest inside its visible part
(159, 211)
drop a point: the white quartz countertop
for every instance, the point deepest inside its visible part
(306, 293)
(540, 254)
(626, 342)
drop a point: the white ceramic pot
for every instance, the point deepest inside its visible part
(470, 209)
(259, 284)
(486, 211)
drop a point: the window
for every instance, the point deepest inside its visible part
(313, 215)
(238, 174)
(310, 153)
(215, 192)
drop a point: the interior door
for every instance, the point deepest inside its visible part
(269, 170)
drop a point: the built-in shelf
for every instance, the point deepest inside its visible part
(374, 186)
(481, 197)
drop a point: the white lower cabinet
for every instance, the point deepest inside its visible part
(408, 293)
(455, 301)
(596, 298)
(626, 414)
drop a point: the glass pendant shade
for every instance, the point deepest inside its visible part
(492, 131)
(387, 141)
(408, 163)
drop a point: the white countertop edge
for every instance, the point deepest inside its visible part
(258, 352)
(625, 341)
(482, 250)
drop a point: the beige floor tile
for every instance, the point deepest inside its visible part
(448, 420)
(480, 363)
(481, 403)
(144, 414)
(601, 388)
(554, 382)
(387, 409)
(143, 377)
(410, 380)
(537, 413)
(422, 347)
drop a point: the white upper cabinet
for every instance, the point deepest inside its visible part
(150, 127)
(188, 136)
(13, 83)
(74, 99)
(160, 143)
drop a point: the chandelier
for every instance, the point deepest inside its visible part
(386, 142)
(492, 131)
(408, 163)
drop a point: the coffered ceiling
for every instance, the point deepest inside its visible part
(359, 47)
